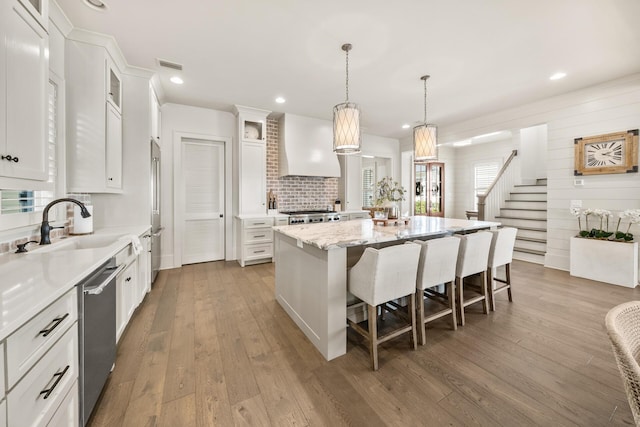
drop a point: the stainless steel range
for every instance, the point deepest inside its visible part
(307, 217)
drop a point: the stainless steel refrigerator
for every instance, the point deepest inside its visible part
(156, 225)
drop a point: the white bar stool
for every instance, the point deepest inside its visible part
(472, 259)
(438, 259)
(501, 253)
(380, 276)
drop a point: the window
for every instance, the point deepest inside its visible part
(484, 174)
(368, 186)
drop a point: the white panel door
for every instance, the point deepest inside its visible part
(203, 194)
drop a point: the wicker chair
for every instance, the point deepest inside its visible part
(623, 326)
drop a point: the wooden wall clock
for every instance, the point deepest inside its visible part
(611, 153)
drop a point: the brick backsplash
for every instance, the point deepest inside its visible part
(296, 192)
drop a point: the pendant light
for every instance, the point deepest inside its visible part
(346, 121)
(425, 135)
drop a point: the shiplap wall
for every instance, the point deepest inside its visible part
(609, 107)
(465, 159)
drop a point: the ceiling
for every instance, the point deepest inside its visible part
(482, 55)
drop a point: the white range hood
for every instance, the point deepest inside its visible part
(306, 147)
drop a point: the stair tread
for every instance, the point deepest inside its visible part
(529, 251)
(527, 192)
(525, 201)
(530, 185)
(517, 217)
(531, 239)
(544, 230)
(523, 209)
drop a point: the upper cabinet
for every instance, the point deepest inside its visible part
(94, 120)
(23, 93)
(252, 160)
(39, 9)
(155, 122)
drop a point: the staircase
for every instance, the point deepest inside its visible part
(526, 209)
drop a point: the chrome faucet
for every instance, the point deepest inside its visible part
(45, 228)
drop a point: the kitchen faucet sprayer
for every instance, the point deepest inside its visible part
(45, 228)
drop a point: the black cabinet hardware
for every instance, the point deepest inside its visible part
(10, 158)
(54, 324)
(58, 376)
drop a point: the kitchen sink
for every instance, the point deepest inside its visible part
(79, 242)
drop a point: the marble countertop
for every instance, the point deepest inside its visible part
(342, 234)
(33, 280)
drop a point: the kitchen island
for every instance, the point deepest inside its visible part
(312, 261)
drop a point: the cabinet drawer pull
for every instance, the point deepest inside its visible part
(54, 324)
(258, 223)
(259, 235)
(10, 158)
(258, 252)
(58, 376)
(128, 279)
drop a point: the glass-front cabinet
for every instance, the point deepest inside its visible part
(429, 189)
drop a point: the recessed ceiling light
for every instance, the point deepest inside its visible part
(406, 126)
(95, 4)
(280, 100)
(557, 76)
(177, 80)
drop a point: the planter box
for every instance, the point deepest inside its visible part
(605, 261)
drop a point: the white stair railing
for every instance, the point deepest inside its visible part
(508, 176)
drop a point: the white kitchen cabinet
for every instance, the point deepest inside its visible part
(39, 9)
(252, 160)
(94, 123)
(114, 148)
(67, 413)
(155, 122)
(350, 182)
(114, 85)
(53, 376)
(126, 283)
(253, 178)
(359, 215)
(3, 413)
(23, 94)
(144, 266)
(256, 240)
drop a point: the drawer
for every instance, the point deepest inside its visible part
(362, 215)
(35, 399)
(264, 250)
(258, 235)
(257, 222)
(282, 221)
(34, 338)
(67, 414)
(125, 256)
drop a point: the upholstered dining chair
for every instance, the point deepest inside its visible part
(381, 276)
(500, 254)
(472, 259)
(438, 259)
(623, 327)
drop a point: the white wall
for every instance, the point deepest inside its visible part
(465, 159)
(195, 120)
(609, 107)
(533, 148)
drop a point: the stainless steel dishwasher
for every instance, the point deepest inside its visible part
(97, 333)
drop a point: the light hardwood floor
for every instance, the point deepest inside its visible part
(211, 346)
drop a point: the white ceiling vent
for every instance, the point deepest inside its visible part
(169, 64)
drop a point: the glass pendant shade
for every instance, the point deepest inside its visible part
(425, 143)
(346, 128)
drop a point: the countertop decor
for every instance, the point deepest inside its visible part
(602, 219)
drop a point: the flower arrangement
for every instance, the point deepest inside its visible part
(388, 192)
(631, 216)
